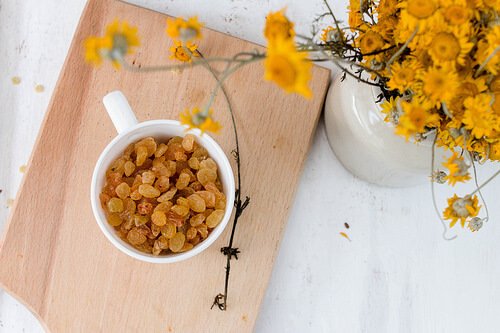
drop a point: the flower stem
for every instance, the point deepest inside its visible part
(485, 183)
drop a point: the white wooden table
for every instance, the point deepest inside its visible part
(397, 274)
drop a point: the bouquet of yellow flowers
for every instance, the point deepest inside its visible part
(437, 63)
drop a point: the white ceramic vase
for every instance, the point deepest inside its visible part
(366, 145)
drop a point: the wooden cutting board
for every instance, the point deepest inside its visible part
(53, 256)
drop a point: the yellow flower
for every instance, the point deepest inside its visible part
(199, 119)
(331, 34)
(495, 84)
(390, 109)
(370, 42)
(478, 116)
(185, 30)
(287, 67)
(278, 26)
(439, 84)
(355, 17)
(183, 52)
(450, 47)
(119, 40)
(488, 50)
(458, 169)
(495, 151)
(387, 8)
(456, 14)
(403, 75)
(460, 209)
(95, 49)
(421, 9)
(415, 119)
(469, 87)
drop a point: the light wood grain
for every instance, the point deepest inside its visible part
(53, 256)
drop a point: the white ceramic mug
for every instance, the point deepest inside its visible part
(130, 131)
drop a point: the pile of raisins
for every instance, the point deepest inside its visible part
(163, 197)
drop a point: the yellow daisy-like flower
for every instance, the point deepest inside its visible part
(278, 26)
(199, 119)
(331, 34)
(387, 8)
(458, 169)
(119, 40)
(183, 53)
(370, 42)
(403, 75)
(478, 116)
(390, 109)
(495, 84)
(469, 87)
(288, 68)
(355, 17)
(96, 49)
(461, 209)
(184, 30)
(417, 13)
(489, 50)
(457, 14)
(495, 151)
(447, 46)
(439, 84)
(415, 119)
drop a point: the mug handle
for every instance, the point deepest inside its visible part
(119, 111)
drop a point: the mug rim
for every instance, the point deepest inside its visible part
(170, 258)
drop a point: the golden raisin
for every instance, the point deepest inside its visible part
(148, 177)
(208, 163)
(208, 197)
(206, 176)
(142, 154)
(129, 168)
(215, 218)
(180, 210)
(194, 163)
(177, 242)
(167, 195)
(114, 219)
(148, 191)
(196, 203)
(191, 233)
(182, 181)
(188, 142)
(169, 230)
(197, 220)
(162, 148)
(115, 205)
(122, 190)
(159, 218)
(135, 237)
(163, 183)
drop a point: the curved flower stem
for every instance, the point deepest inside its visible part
(221, 299)
(485, 183)
(477, 186)
(433, 192)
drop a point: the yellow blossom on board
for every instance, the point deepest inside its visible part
(288, 68)
(197, 118)
(183, 52)
(119, 40)
(184, 30)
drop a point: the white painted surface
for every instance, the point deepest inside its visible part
(397, 274)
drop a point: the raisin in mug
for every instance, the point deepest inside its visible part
(130, 131)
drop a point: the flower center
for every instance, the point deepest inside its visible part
(456, 14)
(283, 71)
(445, 46)
(421, 9)
(460, 207)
